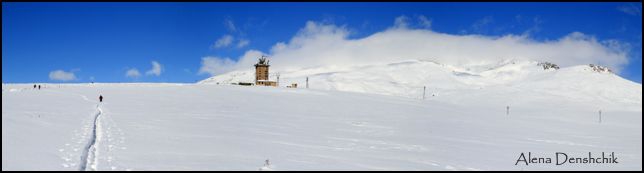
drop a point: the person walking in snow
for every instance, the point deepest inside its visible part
(34, 86)
(38, 87)
(100, 98)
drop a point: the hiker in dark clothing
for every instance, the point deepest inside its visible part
(34, 86)
(100, 98)
(38, 87)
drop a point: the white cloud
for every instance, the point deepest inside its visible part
(481, 24)
(233, 31)
(242, 43)
(536, 26)
(631, 9)
(401, 22)
(230, 25)
(133, 73)
(156, 69)
(424, 22)
(224, 41)
(217, 65)
(61, 75)
(320, 45)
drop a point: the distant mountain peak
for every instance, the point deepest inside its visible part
(548, 65)
(600, 69)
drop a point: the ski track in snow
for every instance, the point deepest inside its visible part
(89, 158)
(102, 131)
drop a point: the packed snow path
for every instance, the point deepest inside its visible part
(89, 157)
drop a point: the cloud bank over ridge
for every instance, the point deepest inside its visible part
(319, 44)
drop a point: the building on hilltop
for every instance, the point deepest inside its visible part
(261, 73)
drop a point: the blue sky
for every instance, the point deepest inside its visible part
(102, 41)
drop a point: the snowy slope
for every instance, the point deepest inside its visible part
(228, 127)
(465, 82)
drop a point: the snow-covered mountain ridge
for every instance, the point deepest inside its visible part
(407, 78)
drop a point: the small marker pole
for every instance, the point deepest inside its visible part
(424, 92)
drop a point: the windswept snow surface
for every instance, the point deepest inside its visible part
(228, 127)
